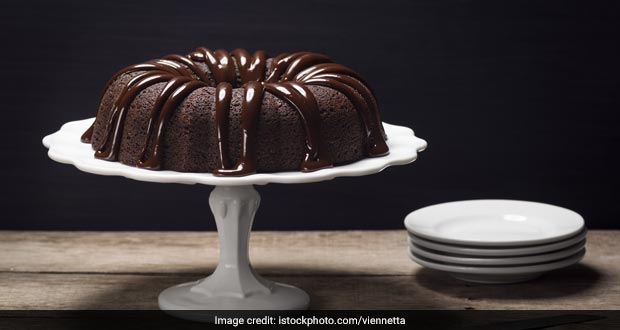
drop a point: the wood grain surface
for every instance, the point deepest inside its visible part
(339, 269)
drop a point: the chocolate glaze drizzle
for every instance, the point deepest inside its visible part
(288, 78)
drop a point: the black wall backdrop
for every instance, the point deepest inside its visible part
(517, 99)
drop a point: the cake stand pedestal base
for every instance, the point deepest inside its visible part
(234, 285)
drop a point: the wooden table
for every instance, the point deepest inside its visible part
(339, 269)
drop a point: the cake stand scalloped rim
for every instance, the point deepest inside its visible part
(65, 147)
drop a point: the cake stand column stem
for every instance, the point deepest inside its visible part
(234, 285)
(234, 208)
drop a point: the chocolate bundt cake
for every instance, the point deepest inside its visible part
(235, 114)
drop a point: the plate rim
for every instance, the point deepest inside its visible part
(503, 260)
(502, 251)
(501, 270)
(411, 226)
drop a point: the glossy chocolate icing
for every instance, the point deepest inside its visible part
(287, 78)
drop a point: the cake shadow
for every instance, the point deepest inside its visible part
(126, 299)
(556, 284)
(129, 300)
(329, 289)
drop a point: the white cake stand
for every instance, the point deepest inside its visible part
(234, 285)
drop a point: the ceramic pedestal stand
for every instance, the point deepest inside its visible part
(234, 285)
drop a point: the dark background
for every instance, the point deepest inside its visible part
(517, 99)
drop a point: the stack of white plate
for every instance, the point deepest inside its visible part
(495, 241)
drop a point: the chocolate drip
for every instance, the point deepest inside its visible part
(191, 65)
(375, 145)
(110, 147)
(223, 96)
(287, 78)
(152, 159)
(88, 135)
(329, 68)
(168, 66)
(280, 65)
(180, 69)
(341, 70)
(161, 99)
(302, 99)
(250, 108)
(302, 62)
(220, 64)
(250, 68)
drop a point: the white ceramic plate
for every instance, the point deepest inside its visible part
(499, 251)
(494, 222)
(497, 275)
(493, 261)
(65, 147)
